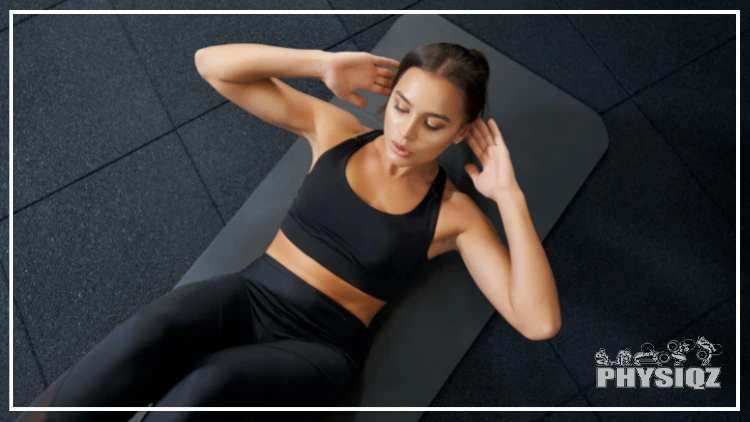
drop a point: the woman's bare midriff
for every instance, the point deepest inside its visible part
(364, 306)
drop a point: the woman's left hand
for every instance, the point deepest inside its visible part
(488, 145)
(347, 71)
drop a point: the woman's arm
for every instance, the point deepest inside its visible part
(526, 288)
(532, 289)
(523, 291)
(247, 63)
(248, 76)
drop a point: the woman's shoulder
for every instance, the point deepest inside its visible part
(458, 207)
(334, 131)
(454, 201)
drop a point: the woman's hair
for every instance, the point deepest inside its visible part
(467, 69)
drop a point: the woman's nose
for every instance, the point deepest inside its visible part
(406, 129)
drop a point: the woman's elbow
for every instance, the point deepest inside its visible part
(546, 332)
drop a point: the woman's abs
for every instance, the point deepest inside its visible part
(359, 303)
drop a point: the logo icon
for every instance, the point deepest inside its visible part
(650, 363)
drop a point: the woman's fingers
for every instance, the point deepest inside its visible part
(384, 76)
(386, 72)
(379, 89)
(386, 61)
(477, 133)
(496, 134)
(476, 147)
(382, 86)
(486, 134)
(383, 81)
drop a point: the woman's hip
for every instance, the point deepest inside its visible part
(289, 307)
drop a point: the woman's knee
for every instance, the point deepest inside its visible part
(167, 316)
(145, 328)
(146, 333)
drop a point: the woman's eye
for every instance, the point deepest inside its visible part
(404, 111)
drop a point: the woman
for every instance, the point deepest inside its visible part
(291, 328)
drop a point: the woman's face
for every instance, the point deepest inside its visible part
(423, 115)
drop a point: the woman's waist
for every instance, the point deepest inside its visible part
(291, 308)
(364, 306)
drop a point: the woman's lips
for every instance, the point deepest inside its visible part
(400, 151)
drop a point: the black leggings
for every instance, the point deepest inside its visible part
(258, 337)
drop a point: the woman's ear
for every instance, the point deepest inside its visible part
(462, 133)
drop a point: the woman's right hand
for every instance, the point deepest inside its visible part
(347, 71)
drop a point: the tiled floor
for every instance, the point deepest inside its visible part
(127, 164)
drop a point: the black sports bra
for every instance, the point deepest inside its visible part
(377, 252)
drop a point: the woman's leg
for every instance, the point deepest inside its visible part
(138, 361)
(281, 373)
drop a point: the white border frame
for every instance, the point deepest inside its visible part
(11, 13)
